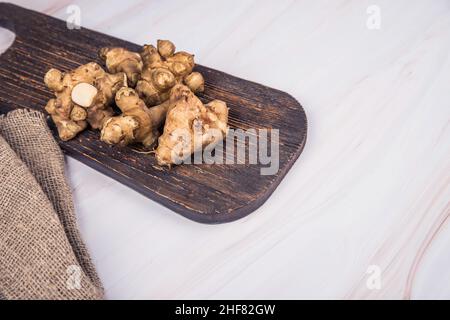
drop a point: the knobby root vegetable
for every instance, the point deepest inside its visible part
(68, 119)
(107, 86)
(122, 60)
(156, 85)
(163, 69)
(190, 126)
(137, 123)
(82, 96)
(195, 82)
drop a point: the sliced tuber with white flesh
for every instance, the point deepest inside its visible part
(83, 94)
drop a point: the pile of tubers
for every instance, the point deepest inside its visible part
(152, 89)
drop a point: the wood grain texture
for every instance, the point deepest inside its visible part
(204, 193)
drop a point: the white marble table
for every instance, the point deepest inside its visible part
(364, 211)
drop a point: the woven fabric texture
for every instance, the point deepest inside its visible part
(42, 255)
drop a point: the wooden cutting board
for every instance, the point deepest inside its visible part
(204, 193)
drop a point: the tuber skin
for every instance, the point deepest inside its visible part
(154, 86)
(195, 82)
(187, 115)
(68, 121)
(137, 123)
(122, 60)
(101, 110)
(163, 69)
(165, 48)
(83, 96)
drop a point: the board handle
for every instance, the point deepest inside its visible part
(8, 16)
(18, 20)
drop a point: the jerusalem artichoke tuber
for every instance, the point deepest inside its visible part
(122, 60)
(137, 123)
(107, 86)
(190, 126)
(163, 80)
(69, 122)
(163, 69)
(83, 96)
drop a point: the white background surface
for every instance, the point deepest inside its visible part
(371, 188)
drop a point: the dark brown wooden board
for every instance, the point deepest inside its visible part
(204, 193)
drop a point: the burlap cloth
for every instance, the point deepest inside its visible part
(42, 255)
